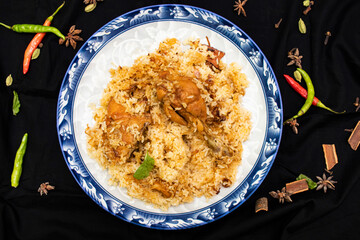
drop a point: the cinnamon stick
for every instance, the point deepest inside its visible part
(354, 139)
(261, 204)
(330, 155)
(297, 186)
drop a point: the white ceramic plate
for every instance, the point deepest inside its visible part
(137, 33)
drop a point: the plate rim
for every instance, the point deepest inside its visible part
(270, 72)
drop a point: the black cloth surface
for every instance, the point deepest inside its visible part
(68, 213)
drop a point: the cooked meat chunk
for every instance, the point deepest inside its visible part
(117, 115)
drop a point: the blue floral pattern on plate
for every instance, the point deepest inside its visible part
(136, 18)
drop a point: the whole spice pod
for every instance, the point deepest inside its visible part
(302, 26)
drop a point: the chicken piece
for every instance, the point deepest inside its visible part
(162, 188)
(187, 95)
(117, 114)
(184, 104)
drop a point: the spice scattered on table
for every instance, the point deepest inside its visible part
(302, 26)
(281, 195)
(297, 76)
(330, 155)
(325, 183)
(44, 188)
(294, 55)
(261, 204)
(36, 41)
(72, 37)
(91, 5)
(357, 104)
(311, 184)
(35, 54)
(16, 103)
(308, 4)
(354, 139)
(297, 186)
(293, 124)
(19, 157)
(277, 25)
(239, 7)
(9, 80)
(327, 36)
(303, 92)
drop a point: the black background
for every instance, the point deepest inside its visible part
(68, 213)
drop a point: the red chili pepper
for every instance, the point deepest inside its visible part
(36, 41)
(302, 91)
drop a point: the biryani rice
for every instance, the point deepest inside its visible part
(186, 167)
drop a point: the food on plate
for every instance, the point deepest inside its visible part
(175, 117)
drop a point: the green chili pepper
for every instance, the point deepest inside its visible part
(33, 28)
(312, 185)
(310, 95)
(16, 173)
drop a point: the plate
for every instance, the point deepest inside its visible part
(134, 34)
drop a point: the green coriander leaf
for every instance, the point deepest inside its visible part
(312, 185)
(306, 3)
(16, 104)
(145, 168)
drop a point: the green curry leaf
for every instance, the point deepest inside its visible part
(145, 168)
(312, 185)
(16, 104)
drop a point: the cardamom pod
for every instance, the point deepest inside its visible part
(9, 80)
(35, 54)
(297, 76)
(90, 7)
(302, 26)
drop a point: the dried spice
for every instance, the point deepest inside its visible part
(302, 26)
(354, 139)
(218, 55)
(277, 25)
(325, 183)
(294, 55)
(44, 188)
(307, 4)
(35, 54)
(357, 104)
(261, 204)
(297, 76)
(72, 37)
(327, 36)
(239, 7)
(282, 196)
(330, 155)
(311, 184)
(293, 124)
(9, 80)
(297, 186)
(90, 7)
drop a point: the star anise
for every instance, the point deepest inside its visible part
(325, 183)
(293, 124)
(72, 37)
(239, 7)
(282, 196)
(44, 188)
(295, 57)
